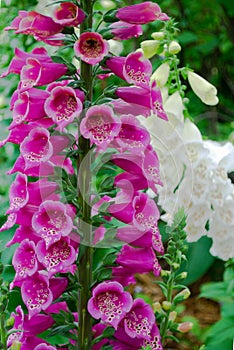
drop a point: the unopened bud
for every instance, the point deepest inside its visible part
(172, 316)
(150, 48)
(185, 327)
(203, 89)
(175, 266)
(10, 322)
(174, 47)
(157, 35)
(182, 275)
(161, 74)
(165, 273)
(183, 295)
(166, 305)
(157, 307)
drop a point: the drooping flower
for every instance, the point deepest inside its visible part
(52, 221)
(36, 147)
(137, 69)
(109, 302)
(150, 47)
(18, 193)
(139, 320)
(68, 14)
(100, 125)
(91, 47)
(36, 293)
(124, 31)
(141, 13)
(24, 260)
(203, 89)
(63, 106)
(59, 257)
(44, 346)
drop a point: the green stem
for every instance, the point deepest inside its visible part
(3, 332)
(164, 326)
(85, 228)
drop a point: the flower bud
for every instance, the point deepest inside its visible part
(10, 322)
(161, 74)
(166, 305)
(182, 275)
(150, 48)
(183, 295)
(185, 327)
(165, 273)
(175, 266)
(203, 89)
(157, 307)
(174, 47)
(157, 35)
(172, 316)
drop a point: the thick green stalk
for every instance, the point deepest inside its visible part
(3, 331)
(85, 227)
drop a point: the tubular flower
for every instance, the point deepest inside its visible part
(137, 69)
(123, 30)
(24, 260)
(110, 303)
(91, 48)
(68, 14)
(141, 13)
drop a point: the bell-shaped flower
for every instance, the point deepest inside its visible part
(124, 31)
(146, 213)
(59, 257)
(63, 106)
(24, 260)
(138, 260)
(139, 320)
(28, 106)
(123, 275)
(68, 14)
(137, 69)
(132, 136)
(36, 147)
(109, 302)
(142, 13)
(44, 346)
(100, 125)
(36, 293)
(161, 74)
(36, 24)
(52, 221)
(23, 232)
(91, 47)
(203, 89)
(18, 193)
(150, 48)
(116, 65)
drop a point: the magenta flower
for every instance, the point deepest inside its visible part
(68, 14)
(18, 193)
(123, 275)
(23, 232)
(137, 69)
(132, 136)
(44, 346)
(116, 65)
(97, 331)
(91, 48)
(36, 147)
(59, 257)
(52, 221)
(63, 106)
(110, 303)
(36, 24)
(141, 13)
(124, 31)
(139, 320)
(28, 106)
(24, 260)
(146, 213)
(100, 125)
(36, 293)
(138, 260)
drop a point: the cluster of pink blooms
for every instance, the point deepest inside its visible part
(43, 106)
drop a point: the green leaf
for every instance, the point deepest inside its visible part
(221, 333)
(216, 291)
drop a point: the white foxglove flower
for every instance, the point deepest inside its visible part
(161, 74)
(203, 89)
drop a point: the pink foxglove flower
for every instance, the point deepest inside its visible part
(68, 14)
(23, 232)
(36, 293)
(24, 260)
(18, 193)
(141, 13)
(100, 125)
(124, 31)
(63, 106)
(137, 69)
(138, 260)
(36, 24)
(146, 213)
(36, 147)
(139, 320)
(52, 221)
(91, 47)
(44, 346)
(110, 303)
(59, 257)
